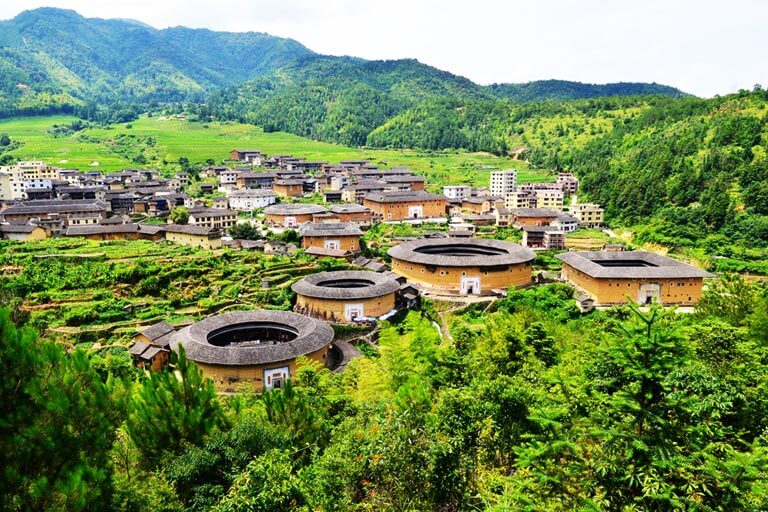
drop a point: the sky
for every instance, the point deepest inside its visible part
(704, 47)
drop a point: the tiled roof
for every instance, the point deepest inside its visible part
(654, 266)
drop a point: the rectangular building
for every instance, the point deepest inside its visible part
(503, 182)
(406, 205)
(637, 276)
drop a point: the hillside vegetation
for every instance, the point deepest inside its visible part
(56, 61)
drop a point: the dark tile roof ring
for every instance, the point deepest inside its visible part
(219, 339)
(461, 252)
(345, 284)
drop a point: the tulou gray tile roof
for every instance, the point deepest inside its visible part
(346, 285)
(461, 252)
(156, 331)
(637, 265)
(330, 229)
(294, 209)
(311, 336)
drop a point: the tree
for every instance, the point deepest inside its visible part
(245, 231)
(180, 215)
(5, 140)
(57, 423)
(172, 408)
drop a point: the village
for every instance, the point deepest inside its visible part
(326, 210)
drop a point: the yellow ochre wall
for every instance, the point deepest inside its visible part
(279, 220)
(333, 310)
(231, 378)
(348, 243)
(448, 279)
(682, 291)
(399, 211)
(194, 240)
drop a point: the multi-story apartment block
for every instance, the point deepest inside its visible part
(503, 182)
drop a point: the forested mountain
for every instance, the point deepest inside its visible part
(54, 60)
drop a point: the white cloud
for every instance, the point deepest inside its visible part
(705, 46)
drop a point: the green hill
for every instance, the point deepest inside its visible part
(56, 61)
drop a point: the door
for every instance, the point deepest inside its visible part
(333, 245)
(415, 212)
(353, 312)
(276, 377)
(290, 222)
(649, 293)
(469, 286)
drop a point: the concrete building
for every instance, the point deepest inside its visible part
(218, 218)
(568, 183)
(250, 199)
(406, 205)
(462, 266)
(549, 198)
(590, 215)
(543, 237)
(504, 182)
(457, 192)
(566, 223)
(345, 296)
(520, 199)
(255, 348)
(642, 277)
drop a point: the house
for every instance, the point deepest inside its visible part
(457, 192)
(642, 277)
(196, 236)
(24, 211)
(22, 232)
(356, 213)
(293, 187)
(151, 347)
(251, 199)
(356, 193)
(480, 204)
(332, 196)
(252, 156)
(395, 206)
(504, 217)
(104, 232)
(291, 215)
(590, 215)
(568, 183)
(218, 218)
(533, 216)
(566, 223)
(250, 179)
(278, 247)
(543, 237)
(333, 239)
(403, 182)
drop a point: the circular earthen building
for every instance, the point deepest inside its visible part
(257, 347)
(345, 296)
(463, 266)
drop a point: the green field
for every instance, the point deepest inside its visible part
(159, 143)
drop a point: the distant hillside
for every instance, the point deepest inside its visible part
(564, 90)
(54, 60)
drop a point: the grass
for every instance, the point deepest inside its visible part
(161, 142)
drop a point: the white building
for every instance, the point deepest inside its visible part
(457, 192)
(25, 175)
(251, 199)
(503, 182)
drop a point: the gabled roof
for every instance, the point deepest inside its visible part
(18, 228)
(535, 212)
(190, 229)
(157, 330)
(404, 197)
(101, 229)
(330, 229)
